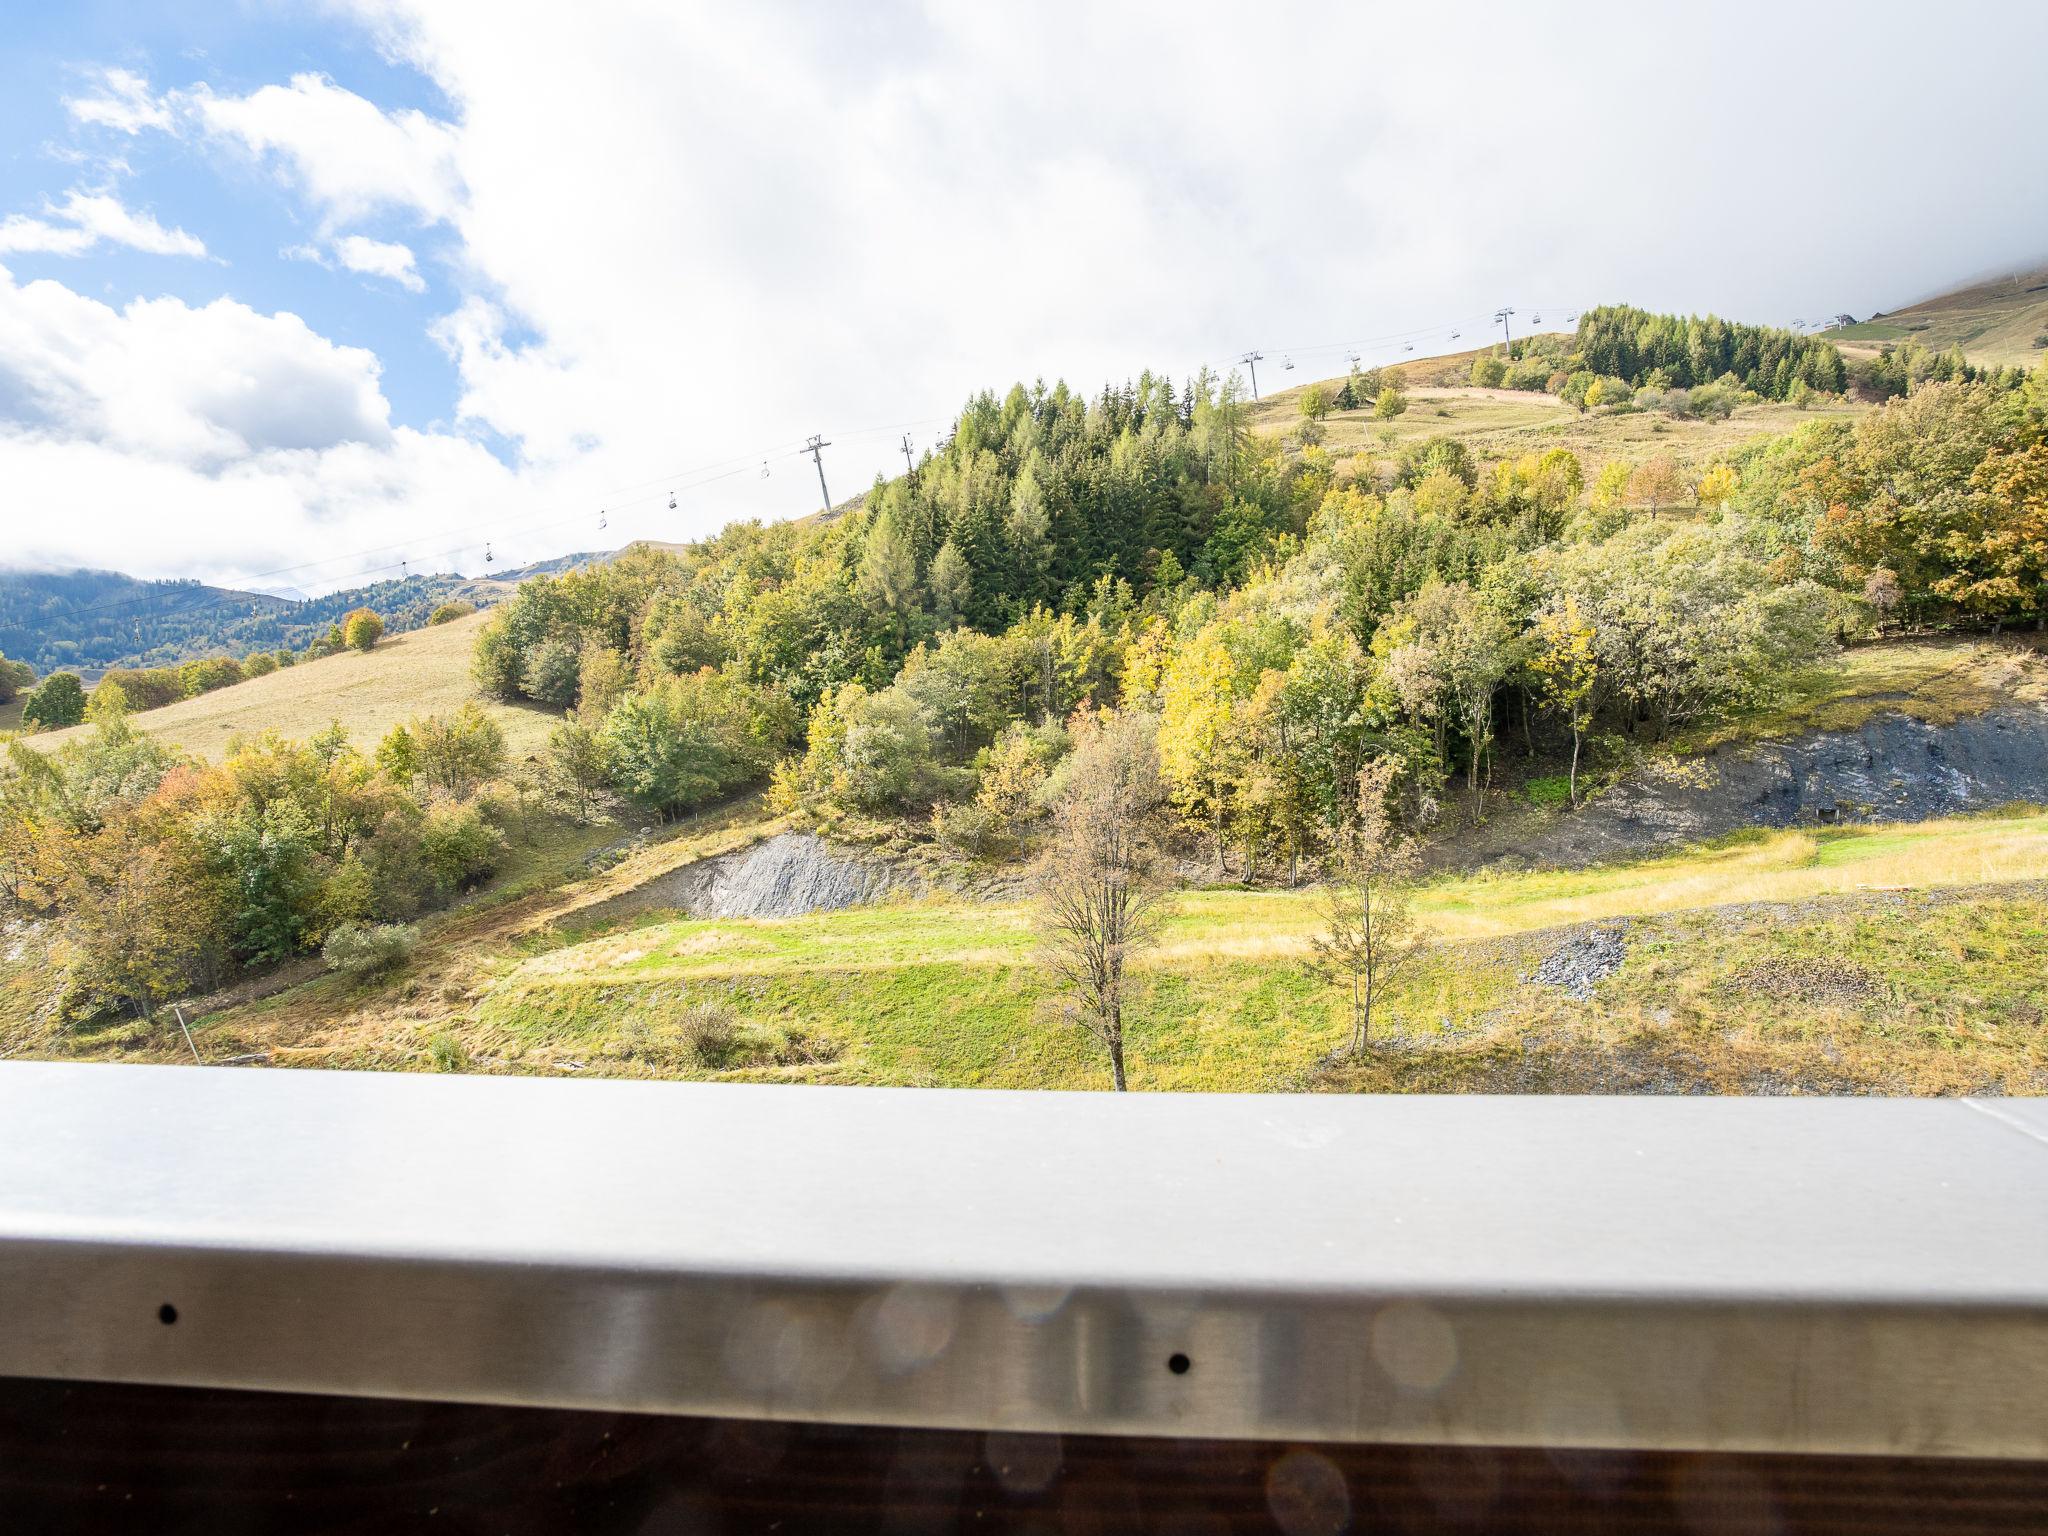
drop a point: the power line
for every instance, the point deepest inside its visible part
(669, 485)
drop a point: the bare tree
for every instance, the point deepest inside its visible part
(1100, 880)
(1369, 934)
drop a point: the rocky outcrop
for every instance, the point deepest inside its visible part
(1584, 960)
(1892, 768)
(788, 875)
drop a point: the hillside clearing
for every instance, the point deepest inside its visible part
(945, 992)
(422, 672)
(1497, 423)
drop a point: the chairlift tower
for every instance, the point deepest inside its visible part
(816, 447)
(1252, 360)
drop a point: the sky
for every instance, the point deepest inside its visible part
(302, 295)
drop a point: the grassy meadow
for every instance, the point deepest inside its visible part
(1897, 958)
(1505, 423)
(422, 672)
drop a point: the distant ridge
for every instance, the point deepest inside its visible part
(88, 621)
(1997, 321)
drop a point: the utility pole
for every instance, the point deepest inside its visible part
(817, 446)
(1502, 316)
(1252, 360)
(908, 467)
(188, 1034)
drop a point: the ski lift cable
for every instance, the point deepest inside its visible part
(1416, 333)
(408, 548)
(668, 486)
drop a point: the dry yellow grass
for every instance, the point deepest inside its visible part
(421, 673)
(1995, 321)
(1499, 424)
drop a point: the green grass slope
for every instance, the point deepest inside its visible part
(1997, 321)
(1897, 959)
(946, 992)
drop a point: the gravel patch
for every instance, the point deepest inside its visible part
(1583, 961)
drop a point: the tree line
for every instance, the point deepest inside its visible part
(1274, 627)
(1421, 605)
(92, 620)
(166, 875)
(62, 699)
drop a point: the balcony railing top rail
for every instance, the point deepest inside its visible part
(1712, 1274)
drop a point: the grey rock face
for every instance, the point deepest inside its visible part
(1583, 960)
(788, 875)
(1893, 768)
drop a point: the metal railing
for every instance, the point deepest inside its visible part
(1707, 1274)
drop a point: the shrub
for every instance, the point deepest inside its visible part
(712, 1032)
(1437, 454)
(458, 846)
(57, 702)
(1390, 404)
(972, 830)
(369, 949)
(455, 753)
(14, 677)
(496, 663)
(361, 629)
(1488, 371)
(107, 701)
(552, 673)
(1717, 402)
(1555, 790)
(398, 756)
(447, 1053)
(207, 674)
(261, 664)
(448, 613)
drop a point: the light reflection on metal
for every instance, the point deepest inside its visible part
(1795, 1275)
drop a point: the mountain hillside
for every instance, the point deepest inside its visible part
(2002, 320)
(88, 621)
(423, 672)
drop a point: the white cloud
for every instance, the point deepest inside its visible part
(344, 154)
(366, 257)
(169, 439)
(314, 519)
(204, 387)
(738, 225)
(122, 102)
(380, 258)
(684, 234)
(85, 220)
